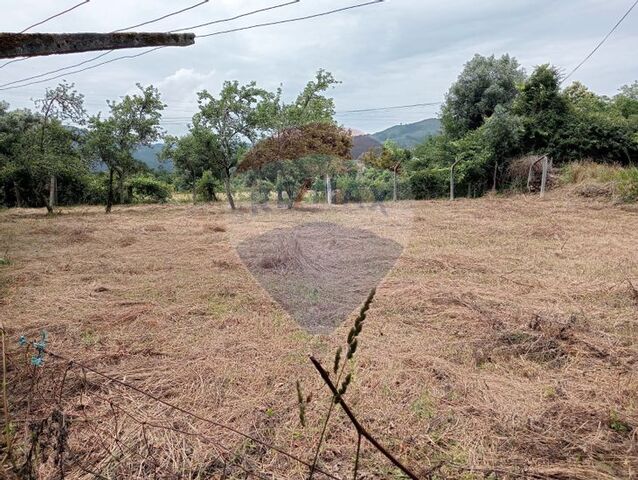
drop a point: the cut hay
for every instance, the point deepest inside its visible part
(488, 352)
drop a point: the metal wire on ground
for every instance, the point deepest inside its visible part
(187, 412)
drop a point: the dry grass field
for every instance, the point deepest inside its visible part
(502, 344)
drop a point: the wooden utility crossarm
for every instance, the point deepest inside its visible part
(14, 45)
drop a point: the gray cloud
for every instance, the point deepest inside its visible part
(398, 52)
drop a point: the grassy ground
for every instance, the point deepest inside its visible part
(505, 339)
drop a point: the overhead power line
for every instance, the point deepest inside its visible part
(155, 20)
(55, 16)
(393, 107)
(97, 57)
(13, 61)
(84, 69)
(290, 20)
(104, 54)
(600, 44)
(183, 118)
(296, 19)
(253, 12)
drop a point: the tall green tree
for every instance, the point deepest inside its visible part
(484, 83)
(60, 104)
(542, 106)
(501, 135)
(236, 118)
(133, 121)
(14, 172)
(193, 154)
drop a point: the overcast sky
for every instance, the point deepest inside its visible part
(394, 53)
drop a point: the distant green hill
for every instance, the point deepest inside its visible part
(148, 155)
(410, 134)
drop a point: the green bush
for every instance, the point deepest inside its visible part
(627, 184)
(377, 185)
(371, 185)
(349, 189)
(95, 189)
(260, 191)
(207, 186)
(145, 189)
(318, 188)
(430, 183)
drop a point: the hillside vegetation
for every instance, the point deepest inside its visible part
(410, 134)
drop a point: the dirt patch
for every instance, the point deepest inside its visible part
(319, 272)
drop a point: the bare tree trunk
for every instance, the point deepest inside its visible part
(229, 192)
(194, 188)
(52, 193)
(452, 179)
(121, 189)
(16, 190)
(495, 173)
(109, 195)
(328, 190)
(394, 180)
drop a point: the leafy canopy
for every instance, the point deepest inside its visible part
(484, 83)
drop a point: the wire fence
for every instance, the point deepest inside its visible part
(71, 420)
(79, 422)
(63, 437)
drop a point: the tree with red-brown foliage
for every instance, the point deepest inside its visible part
(295, 156)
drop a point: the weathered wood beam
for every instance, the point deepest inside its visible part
(35, 44)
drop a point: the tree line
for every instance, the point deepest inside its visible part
(249, 138)
(56, 154)
(495, 113)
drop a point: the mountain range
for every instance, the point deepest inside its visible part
(406, 135)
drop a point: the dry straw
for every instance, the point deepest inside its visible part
(455, 373)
